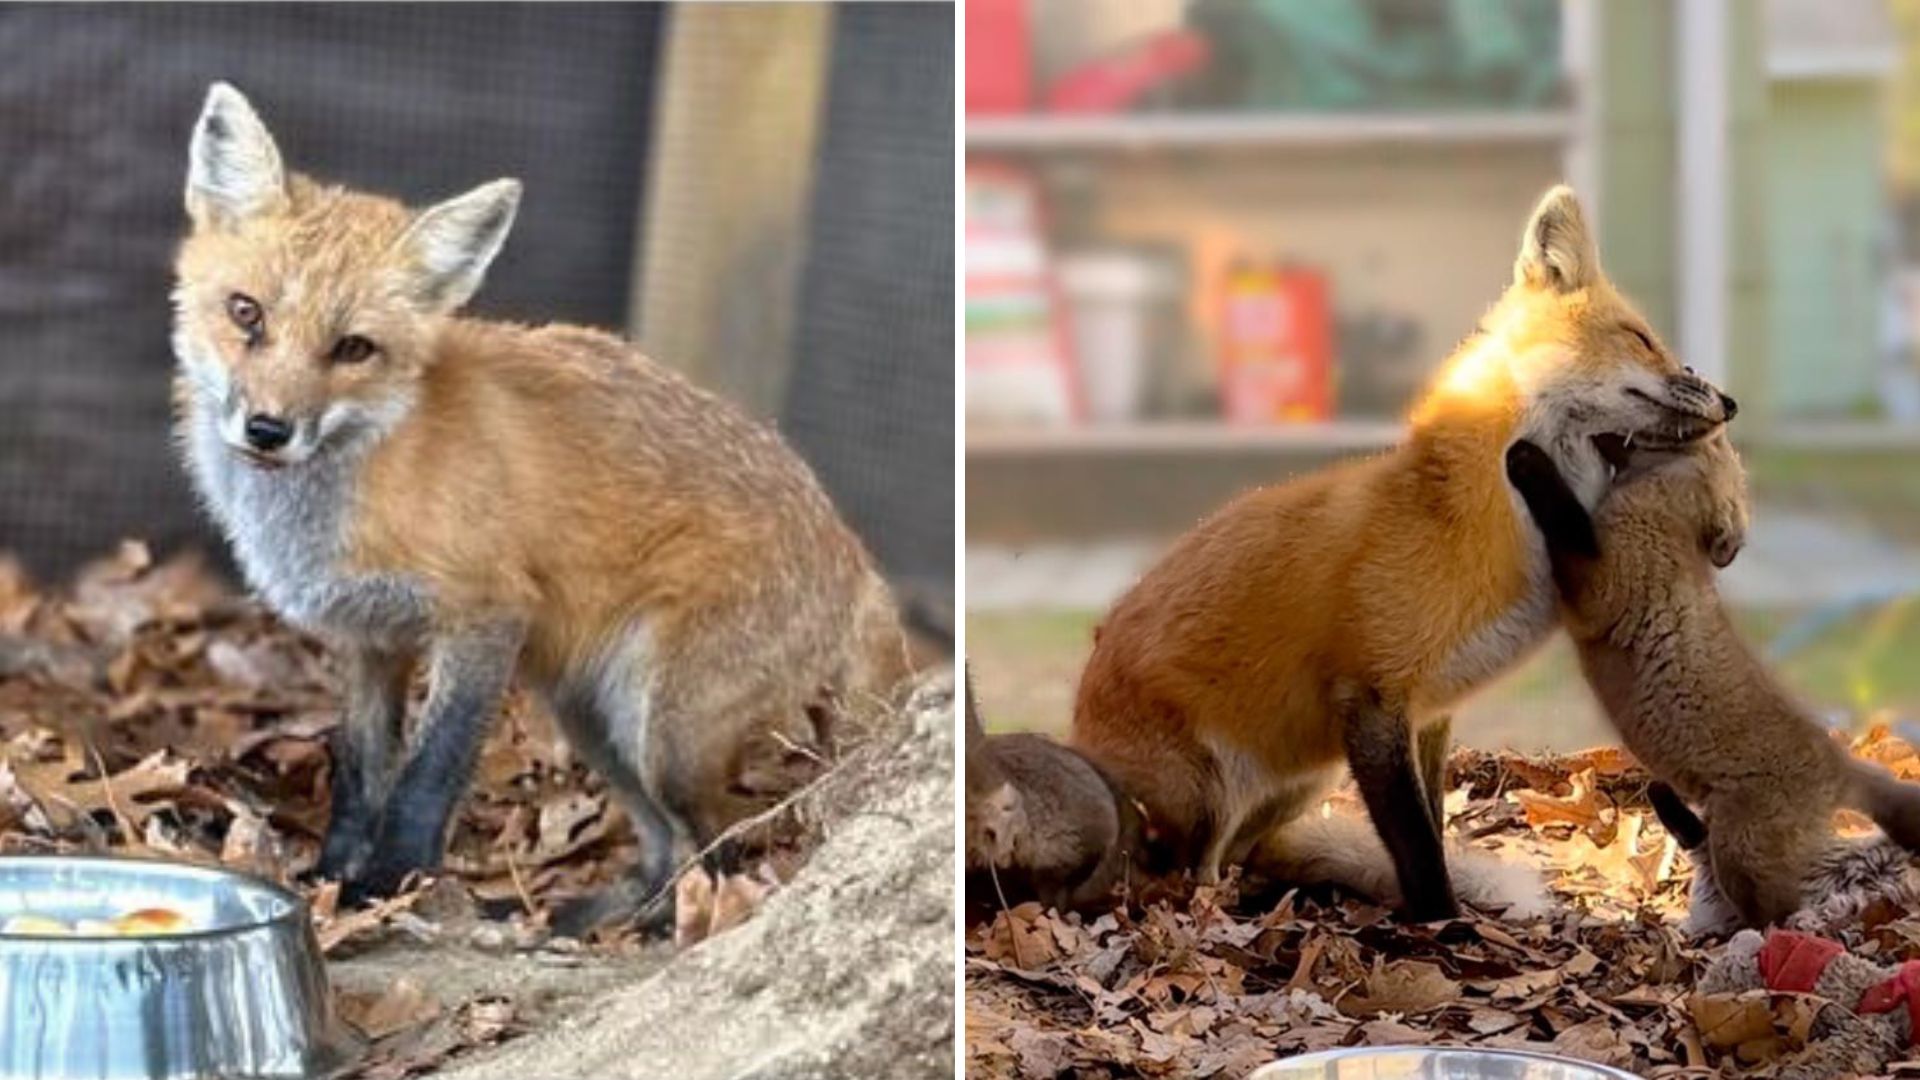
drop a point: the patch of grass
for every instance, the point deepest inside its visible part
(1025, 667)
(1881, 487)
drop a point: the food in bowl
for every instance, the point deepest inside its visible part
(145, 922)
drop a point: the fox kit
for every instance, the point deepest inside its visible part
(1844, 879)
(1339, 615)
(1688, 697)
(1041, 820)
(420, 488)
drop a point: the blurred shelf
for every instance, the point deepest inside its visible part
(1349, 436)
(1196, 436)
(1256, 130)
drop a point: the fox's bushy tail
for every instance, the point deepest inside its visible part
(1892, 803)
(1343, 849)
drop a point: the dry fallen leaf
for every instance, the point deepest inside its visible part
(1405, 987)
(338, 930)
(1582, 808)
(1729, 1020)
(403, 1004)
(1019, 938)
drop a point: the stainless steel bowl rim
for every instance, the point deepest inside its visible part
(1354, 1052)
(295, 910)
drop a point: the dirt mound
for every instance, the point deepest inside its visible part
(847, 971)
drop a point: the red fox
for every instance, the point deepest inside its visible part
(1335, 616)
(416, 487)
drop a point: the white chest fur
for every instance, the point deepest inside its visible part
(1512, 634)
(1516, 631)
(288, 531)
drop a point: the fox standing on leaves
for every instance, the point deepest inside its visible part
(417, 487)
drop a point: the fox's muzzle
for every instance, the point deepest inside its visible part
(1687, 409)
(267, 433)
(1690, 391)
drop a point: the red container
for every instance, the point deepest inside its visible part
(999, 57)
(1276, 346)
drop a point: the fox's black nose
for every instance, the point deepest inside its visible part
(268, 432)
(1729, 406)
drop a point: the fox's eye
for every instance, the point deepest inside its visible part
(1644, 339)
(245, 312)
(351, 349)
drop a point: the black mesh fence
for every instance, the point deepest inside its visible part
(423, 101)
(870, 398)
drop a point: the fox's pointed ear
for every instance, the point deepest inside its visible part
(452, 244)
(233, 168)
(1557, 251)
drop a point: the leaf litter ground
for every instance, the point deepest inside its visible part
(1208, 982)
(147, 711)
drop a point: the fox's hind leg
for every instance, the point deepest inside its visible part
(640, 891)
(1680, 821)
(1759, 861)
(364, 749)
(724, 774)
(607, 714)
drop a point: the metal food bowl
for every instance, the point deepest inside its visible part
(1433, 1063)
(243, 994)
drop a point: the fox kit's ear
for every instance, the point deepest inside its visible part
(233, 168)
(1557, 251)
(452, 244)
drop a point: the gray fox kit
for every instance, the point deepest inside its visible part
(1842, 880)
(1042, 820)
(1688, 697)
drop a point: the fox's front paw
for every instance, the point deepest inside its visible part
(627, 901)
(1727, 531)
(383, 876)
(395, 854)
(1528, 464)
(343, 854)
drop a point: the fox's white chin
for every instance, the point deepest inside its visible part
(257, 460)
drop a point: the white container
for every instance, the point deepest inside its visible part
(1114, 299)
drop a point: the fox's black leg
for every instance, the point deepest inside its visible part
(363, 751)
(1680, 821)
(1379, 748)
(1572, 546)
(590, 724)
(1431, 747)
(1555, 508)
(469, 672)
